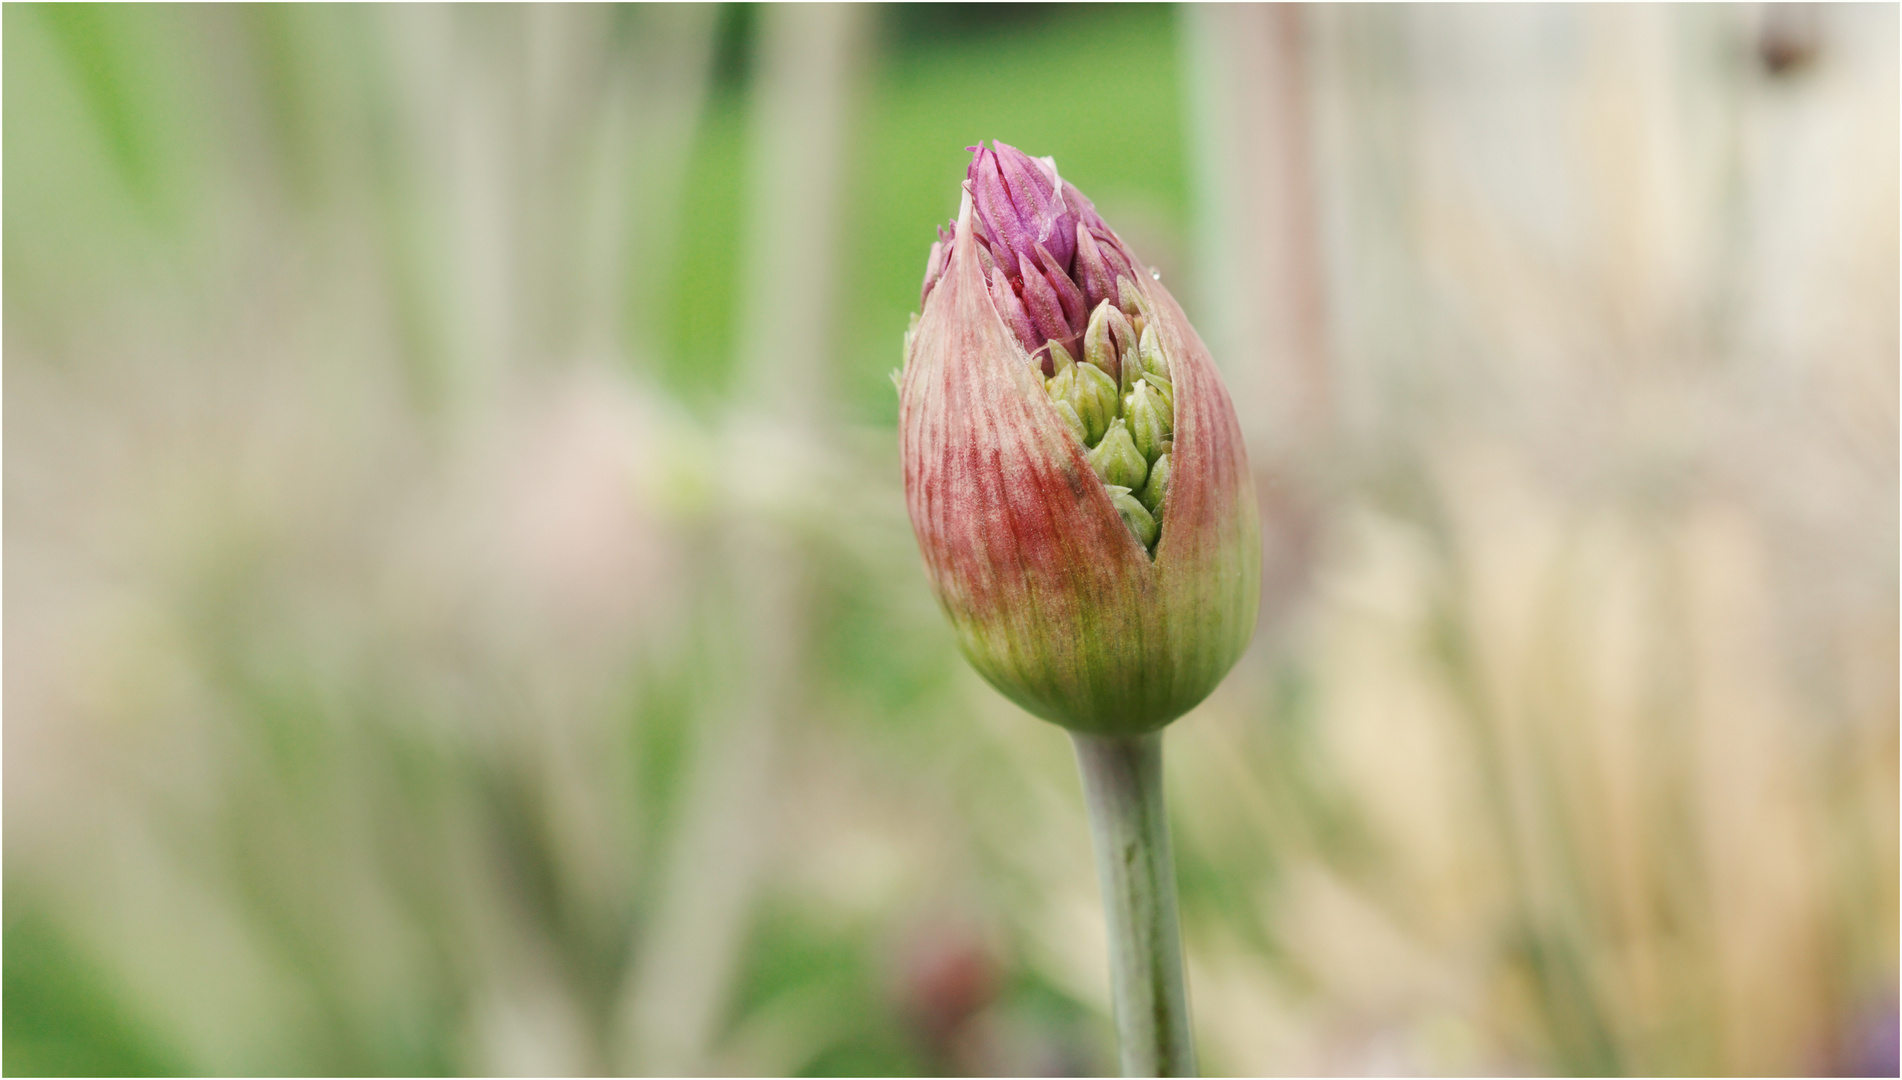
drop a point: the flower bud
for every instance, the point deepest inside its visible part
(1136, 519)
(1117, 461)
(1163, 388)
(1130, 298)
(1026, 222)
(1158, 485)
(1020, 200)
(1094, 589)
(1149, 421)
(1067, 412)
(1107, 340)
(1044, 306)
(1060, 357)
(1093, 273)
(1069, 297)
(1062, 385)
(1150, 350)
(1093, 395)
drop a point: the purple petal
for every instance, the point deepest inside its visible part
(991, 197)
(1030, 189)
(1012, 309)
(1092, 272)
(1117, 257)
(1021, 202)
(1040, 301)
(1069, 297)
(1034, 186)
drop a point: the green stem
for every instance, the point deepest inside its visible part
(1122, 786)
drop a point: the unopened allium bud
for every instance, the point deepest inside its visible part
(1095, 588)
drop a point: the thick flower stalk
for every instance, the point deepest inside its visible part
(1073, 465)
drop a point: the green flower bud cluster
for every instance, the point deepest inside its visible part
(1120, 403)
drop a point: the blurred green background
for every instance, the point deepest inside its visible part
(461, 617)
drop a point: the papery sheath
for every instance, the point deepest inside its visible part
(1054, 599)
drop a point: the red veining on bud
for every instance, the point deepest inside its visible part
(1055, 601)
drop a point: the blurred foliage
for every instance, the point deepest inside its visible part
(63, 1018)
(944, 81)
